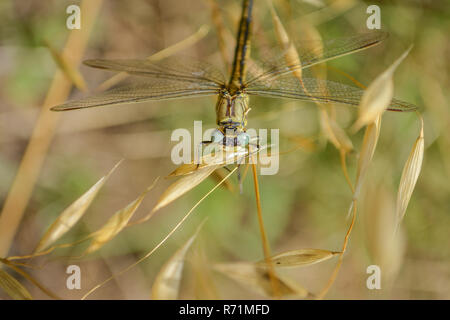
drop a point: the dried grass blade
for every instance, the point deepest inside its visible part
(70, 216)
(410, 175)
(367, 150)
(220, 157)
(116, 223)
(378, 95)
(290, 53)
(29, 278)
(162, 241)
(334, 132)
(204, 287)
(183, 185)
(301, 257)
(168, 280)
(13, 288)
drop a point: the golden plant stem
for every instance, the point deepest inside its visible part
(162, 241)
(333, 276)
(345, 74)
(343, 155)
(51, 249)
(265, 242)
(31, 164)
(30, 278)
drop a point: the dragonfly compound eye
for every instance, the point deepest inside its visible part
(217, 136)
(243, 139)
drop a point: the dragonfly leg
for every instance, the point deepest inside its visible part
(226, 168)
(239, 177)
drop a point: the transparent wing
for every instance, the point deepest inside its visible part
(141, 91)
(175, 68)
(314, 52)
(169, 79)
(311, 89)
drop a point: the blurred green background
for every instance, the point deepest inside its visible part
(304, 206)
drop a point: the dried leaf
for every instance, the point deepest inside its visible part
(365, 156)
(167, 282)
(257, 278)
(410, 175)
(302, 257)
(13, 288)
(116, 223)
(70, 216)
(378, 95)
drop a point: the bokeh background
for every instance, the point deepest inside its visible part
(304, 206)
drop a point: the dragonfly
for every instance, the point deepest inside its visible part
(173, 78)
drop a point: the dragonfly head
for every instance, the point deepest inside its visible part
(231, 109)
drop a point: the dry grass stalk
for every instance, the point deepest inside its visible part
(168, 280)
(203, 282)
(290, 53)
(116, 223)
(162, 241)
(333, 276)
(266, 248)
(13, 288)
(385, 246)
(366, 154)
(410, 174)
(72, 73)
(378, 95)
(332, 130)
(221, 157)
(30, 278)
(181, 186)
(70, 216)
(34, 156)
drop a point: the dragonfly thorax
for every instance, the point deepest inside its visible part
(231, 111)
